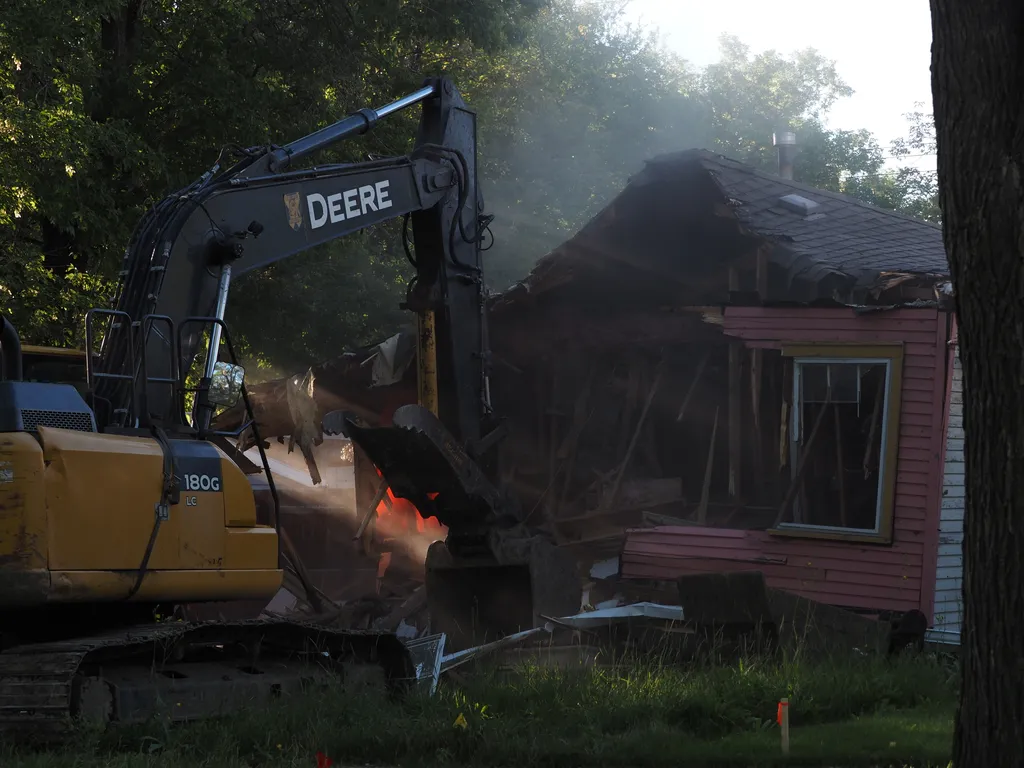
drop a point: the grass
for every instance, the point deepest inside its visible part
(855, 712)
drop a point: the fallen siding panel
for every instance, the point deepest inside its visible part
(854, 576)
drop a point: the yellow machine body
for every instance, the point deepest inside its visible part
(77, 511)
(94, 538)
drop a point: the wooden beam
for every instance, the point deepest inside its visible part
(801, 469)
(761, 273)
(705, 491)
(693, 386)
(757, 355)
(613, 495)
(757, 375)
(735, 404)
(840, 469)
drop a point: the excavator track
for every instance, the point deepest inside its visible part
(180, 671)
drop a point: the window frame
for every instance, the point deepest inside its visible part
(891, 355)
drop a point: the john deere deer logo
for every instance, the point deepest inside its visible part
(291, 204)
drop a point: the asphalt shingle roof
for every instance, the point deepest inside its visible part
(843, 233)
(841, 237)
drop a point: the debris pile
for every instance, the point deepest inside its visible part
(712, 615)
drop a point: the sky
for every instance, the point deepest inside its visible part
(882, 48)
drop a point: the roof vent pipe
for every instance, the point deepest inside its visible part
(785, 147)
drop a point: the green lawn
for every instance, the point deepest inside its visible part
(843, 713)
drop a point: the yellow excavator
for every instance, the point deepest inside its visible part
(117, 502)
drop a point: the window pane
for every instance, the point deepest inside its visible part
(840, 480)
(819, 378)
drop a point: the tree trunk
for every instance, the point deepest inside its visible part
(978, 87)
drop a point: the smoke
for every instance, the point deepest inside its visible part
(592, 98)
(396, 526)
(589, 98)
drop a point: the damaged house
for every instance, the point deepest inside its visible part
(743, 373)
(723, 371)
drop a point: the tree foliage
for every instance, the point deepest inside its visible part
(134, 98)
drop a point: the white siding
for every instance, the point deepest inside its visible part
(949, 564)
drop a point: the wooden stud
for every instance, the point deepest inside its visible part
(798, 478)
(371, 511)
(693, 386)
(757, 355)
(840, 469)
(786, 413)
(551, 507)
(612, 496)
(705, 491)
(757, 376)
(735, 405)
(876, 424)
(630, 402)
(580, 418)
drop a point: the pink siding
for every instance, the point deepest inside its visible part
(854, 575)
(872, 576)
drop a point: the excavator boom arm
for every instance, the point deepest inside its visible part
(229, 222)
(251, 222)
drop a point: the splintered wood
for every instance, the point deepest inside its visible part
(614, 493)
(806, 452)
(305, 415)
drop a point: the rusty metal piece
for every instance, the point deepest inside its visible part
(426, 357)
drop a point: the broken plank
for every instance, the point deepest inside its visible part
(735, 405)
(805, 455)
(705, 492)
(613, 495)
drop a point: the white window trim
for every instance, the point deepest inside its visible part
(794, 438)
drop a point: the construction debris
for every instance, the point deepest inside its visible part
(306, 431)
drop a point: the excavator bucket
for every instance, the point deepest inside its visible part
(491, 576)
(478, 600)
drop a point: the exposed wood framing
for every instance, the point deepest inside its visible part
(757, 375)
(371, 510)
(785, 414)
(705, 491)
(840, 469)
(801, 468)
(613, 495)
(735, 404)
(553, 498)
(693, 386)
(568, 450)
(876, 424)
